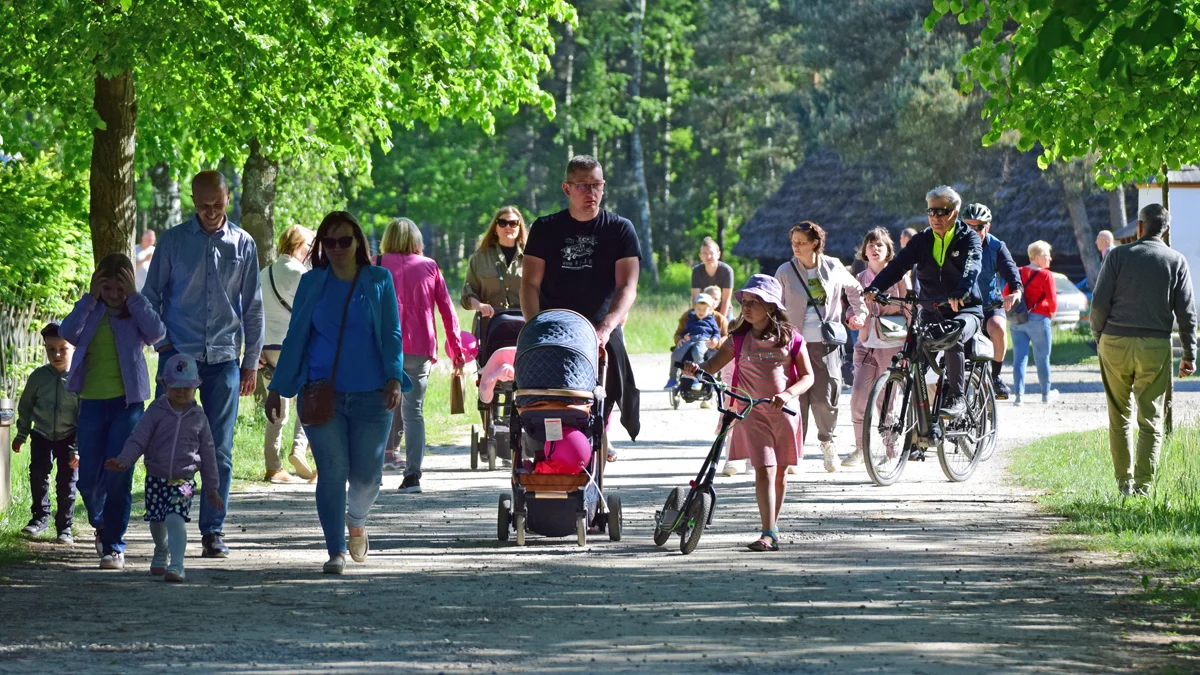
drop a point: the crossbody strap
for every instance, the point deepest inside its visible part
(804, 285)
(271, 277)
(342, 329)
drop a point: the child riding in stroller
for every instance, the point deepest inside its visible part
(497, 347)
(697, 337)
(558, 478)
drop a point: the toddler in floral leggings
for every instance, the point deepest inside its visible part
(174, 438)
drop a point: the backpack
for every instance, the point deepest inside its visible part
(797, 343)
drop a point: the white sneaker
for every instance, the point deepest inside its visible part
(830, 456)
(707, 404)
(853, 459)
(113, 561)
(1050, 397)
(730, 469)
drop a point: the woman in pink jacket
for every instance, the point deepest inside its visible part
(419, 286)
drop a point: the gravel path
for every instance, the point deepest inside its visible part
(923, 577)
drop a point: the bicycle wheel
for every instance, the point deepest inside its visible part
(960, 450)
(986, 403)
(697, 518)
(888, 428)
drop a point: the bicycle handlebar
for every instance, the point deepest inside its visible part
(724, 389)
(885, 299)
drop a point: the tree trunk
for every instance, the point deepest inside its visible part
(165, 211)
(570, 48)
(113, 208)
(641, 191)
(258, 202)
(721, 216)
(1169, 403)
(666, 149)
(1116, 209)
(1083, 235)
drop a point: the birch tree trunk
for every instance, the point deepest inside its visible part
(165, 210)
(641, 192)
(258, 202)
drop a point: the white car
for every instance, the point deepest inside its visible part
(1072, 303)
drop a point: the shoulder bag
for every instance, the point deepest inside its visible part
(318, 398)
(832, 332)
(1019, 313)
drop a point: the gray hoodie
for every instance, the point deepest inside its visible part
(46, 406)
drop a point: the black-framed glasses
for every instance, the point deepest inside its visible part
(337, 242)
(508, 223)
(939, 211)
(588, 187)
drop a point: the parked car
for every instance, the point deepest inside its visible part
(1072, 303)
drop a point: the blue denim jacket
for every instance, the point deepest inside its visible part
(997, 262)
(291, 370)
(206, 290)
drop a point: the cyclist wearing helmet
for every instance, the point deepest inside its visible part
(997, 261)
(947, 257)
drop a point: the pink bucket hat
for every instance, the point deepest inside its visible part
(765, 288)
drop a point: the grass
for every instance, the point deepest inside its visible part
(1161, 533)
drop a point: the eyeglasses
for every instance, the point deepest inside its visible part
(588, 187)
(978, 228)
(939, 211)
(508, 223)
(337, 242)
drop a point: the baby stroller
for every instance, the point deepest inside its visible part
(690, 390)
(559, 394)
(490, 438)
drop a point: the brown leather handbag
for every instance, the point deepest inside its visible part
(318, 398)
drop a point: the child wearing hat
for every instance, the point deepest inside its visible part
(175, 441)
(698, 333)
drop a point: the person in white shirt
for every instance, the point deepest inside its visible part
(142, 255)
(279, 281)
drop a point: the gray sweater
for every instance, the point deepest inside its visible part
(1141, 285)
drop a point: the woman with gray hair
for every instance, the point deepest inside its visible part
(419, 286)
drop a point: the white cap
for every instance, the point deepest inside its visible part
(706, 299)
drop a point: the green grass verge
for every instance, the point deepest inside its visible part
(1160, 532)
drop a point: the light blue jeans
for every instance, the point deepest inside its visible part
(349, 450)
(409, 418)
(1035, 333)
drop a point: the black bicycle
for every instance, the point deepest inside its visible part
(901, 423)
(688, 511)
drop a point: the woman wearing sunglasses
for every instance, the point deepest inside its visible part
(344, 334)
(493, 280)
(419, 286)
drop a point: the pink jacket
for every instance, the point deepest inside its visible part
(419, 284)
(174, 444)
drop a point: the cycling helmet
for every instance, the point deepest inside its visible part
(943, 335)
(977, 212)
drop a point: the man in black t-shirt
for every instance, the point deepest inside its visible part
(586, 259)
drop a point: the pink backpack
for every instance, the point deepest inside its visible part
(797, 344)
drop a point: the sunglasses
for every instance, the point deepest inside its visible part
(337, 242)
(939, 211)
(978, 228)
(508, 223)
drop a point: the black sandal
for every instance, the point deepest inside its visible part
(761, 544)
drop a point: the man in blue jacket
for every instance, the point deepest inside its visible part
(997, 264)
(947, 257)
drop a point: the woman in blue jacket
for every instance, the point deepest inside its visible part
(345, 327)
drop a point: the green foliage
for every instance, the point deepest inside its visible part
(1118, 78)
(306, 190)
(43, 234)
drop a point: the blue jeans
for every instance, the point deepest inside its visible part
(220, 385)
(103, 427)
(1035, 332)
(349, 448)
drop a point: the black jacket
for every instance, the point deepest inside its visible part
(955, 278)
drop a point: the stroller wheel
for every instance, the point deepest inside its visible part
(474, 446)
(675, 399)
(581, 529)
(491, 453)
(614, 518)
(520, 529)
(503, 517)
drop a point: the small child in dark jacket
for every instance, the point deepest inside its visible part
(47, 414)
(699, 333)
(176, 441)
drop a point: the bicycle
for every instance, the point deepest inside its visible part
(688, 513)
(900, 424)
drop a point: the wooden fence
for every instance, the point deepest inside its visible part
(20, 346)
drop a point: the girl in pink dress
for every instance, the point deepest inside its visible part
(769, 361)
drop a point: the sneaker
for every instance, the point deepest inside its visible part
(214, 546)
(1000, 389)
(402, 466)
(1017, 402)
(730, 469)
(1050, 397)
(65, 538)
(671, 384)
(707, 404)
(113, 561)
(173, 577)
(827, 452)
(335, 565)
(390, 461)
(157, 571)
(955, 406)
(853, 459)
(34, 528)
(1126, 488)
(99, 544)
(277, 477)
(791, 470)
(411, 485)
(1140, 490)
(302, 468)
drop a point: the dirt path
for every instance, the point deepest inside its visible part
(922, 577)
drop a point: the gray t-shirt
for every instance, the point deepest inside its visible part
(722, 279)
